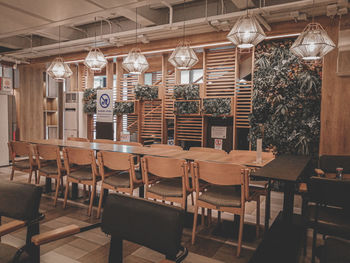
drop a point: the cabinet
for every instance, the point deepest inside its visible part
(51, 108)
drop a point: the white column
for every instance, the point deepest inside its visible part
(4, 153)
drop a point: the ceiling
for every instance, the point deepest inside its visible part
(33, 28)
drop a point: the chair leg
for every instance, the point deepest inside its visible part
(92, 196)
(66, 194)
(38, 180)
(240, 234)
(30, 177)
(258, 217)
(100, 203)
(194, 224)
(12, 174)
(56, 193)
(219, 217)
(202, 216)
(36, 176)
(209, 217)
(314, 246)
(192, 198)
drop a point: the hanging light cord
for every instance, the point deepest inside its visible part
(313, 15)
(183, 34)
(136, 29)
(59, 41)
(95, 34)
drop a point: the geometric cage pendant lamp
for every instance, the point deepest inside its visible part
(313, 43)
(246, 32)
(58, 70)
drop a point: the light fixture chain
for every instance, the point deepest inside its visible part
(136, 29)
(95, 33)
(184, 27)
(59, 41)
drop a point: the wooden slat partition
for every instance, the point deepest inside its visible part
(220, 72)
(168, 95)
(151, 119)
(243, 103)
(189, 128)
(126, 91)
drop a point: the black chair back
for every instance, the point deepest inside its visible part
(332, 192)
(329, 163)
(19, 200)
(150, 224)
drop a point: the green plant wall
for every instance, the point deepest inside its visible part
(286, 100)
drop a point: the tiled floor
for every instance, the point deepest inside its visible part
(93, 246)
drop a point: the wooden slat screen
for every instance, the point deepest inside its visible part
(151, 119)
(168, 96)
(220, 72)
(189, 128)
(243, 104)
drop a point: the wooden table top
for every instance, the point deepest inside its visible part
(285, 168)
(247, 158)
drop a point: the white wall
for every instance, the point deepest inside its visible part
(4, 153)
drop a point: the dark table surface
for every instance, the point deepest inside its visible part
(285, 168)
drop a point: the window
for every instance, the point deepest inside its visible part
(192, 76)
(148, 78)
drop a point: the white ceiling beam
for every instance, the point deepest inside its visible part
(66, 33)
(242, 4)
(15, 42)
(131, 15)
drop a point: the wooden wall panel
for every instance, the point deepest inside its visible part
(31, 106)
(335, 106)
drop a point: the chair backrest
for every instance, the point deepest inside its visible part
(129, 143)
(219, 173)
(147, 223)
(166, 146)
(77, 139)
(208, 150)
(164, 167)
(20, 149)
(47, 153)
(333, 192)
(19, 200)
(329, 163)
(80, 157)
(115, 160)
(104, 141)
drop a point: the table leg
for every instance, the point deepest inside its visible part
(288, 201)
(74, 191)
(48, 182)
(141, 191)
(268, 206)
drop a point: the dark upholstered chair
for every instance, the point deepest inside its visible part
(147, 223)
(150, 224)
(334, 250)
(20, 202)
(331, 213)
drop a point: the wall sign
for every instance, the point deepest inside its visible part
(218, 144)
(6, 86)
(104, 108)
(218, 132)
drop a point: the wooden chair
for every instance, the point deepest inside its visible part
(226, 193)
(166, 146)
(85, 171)
(118, 174)
(25, 161)
(129, 143)
(50, 165)
(77, 139)
(104, 141)
(207, 149)
(172, 180)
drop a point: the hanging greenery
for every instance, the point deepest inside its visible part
(89, 98)
(186, 107)
(146, 92)
(217, 106)
(123, 107)
(286, 100)
(186, 91)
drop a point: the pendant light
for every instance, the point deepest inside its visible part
(135, 62)
(246, 32)
(313, 43)
(183, 57)
(95, 60)
(58, 70)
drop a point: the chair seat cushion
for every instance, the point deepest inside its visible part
(50, 167)
(84, 173)
(331, 220)
(167, 188)
(222, 196)
(121, 180)
(7, 253)
(22, 164)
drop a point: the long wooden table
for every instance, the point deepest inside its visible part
(246, 158)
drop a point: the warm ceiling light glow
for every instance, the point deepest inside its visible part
(135, 62)
(58, 70)
(247, 32)
(183, 57)
(313, 43)
(95, 60)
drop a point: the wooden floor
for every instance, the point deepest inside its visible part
(93, 246)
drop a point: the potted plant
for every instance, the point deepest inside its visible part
(186, 107)
(124, 107)
(217, 106)
(146, 92)
(186, 91)
(89, 98)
